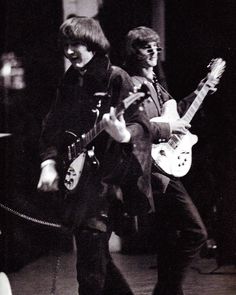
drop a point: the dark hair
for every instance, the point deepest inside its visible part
(139, 37)
(84, 30)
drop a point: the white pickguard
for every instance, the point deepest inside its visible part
(74, 172)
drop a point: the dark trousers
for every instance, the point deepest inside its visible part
(96, 272)
(181, 234)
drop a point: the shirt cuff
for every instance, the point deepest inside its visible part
(127, 137)
(47, 162)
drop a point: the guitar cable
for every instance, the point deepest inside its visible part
(45, 223)
(29, 218)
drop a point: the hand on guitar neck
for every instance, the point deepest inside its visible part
(116, 126)
(210, 82)
(213, 78)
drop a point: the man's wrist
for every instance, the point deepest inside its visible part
(127, 137)
(47, 162)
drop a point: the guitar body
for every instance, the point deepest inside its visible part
(174, 157)
(71, 169)
(74, 172)
(173, 160)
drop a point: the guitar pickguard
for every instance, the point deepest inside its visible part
(74, 172)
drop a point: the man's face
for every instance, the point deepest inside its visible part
(78, 54)
(148, 54)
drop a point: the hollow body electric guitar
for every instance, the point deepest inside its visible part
(75, 156)
(174, 157)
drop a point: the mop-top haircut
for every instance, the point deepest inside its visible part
(138, 38)
(84, 30)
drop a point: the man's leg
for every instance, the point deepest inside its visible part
(91, 261)
(181, 234)
(96, 272)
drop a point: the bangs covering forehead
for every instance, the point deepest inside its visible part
(139, 37)
(84, 30)
(146, 36)
(78, 29)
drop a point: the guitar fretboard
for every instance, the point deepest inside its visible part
(175, 139)
(188, 116)
(80, 144)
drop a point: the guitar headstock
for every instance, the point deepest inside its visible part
(217, 67)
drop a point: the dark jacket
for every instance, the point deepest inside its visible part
(81, 101)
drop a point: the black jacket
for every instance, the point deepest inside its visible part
(79, 101)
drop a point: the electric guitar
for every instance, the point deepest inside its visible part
(174, 157)
(75, 156)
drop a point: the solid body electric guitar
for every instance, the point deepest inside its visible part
(75, 156)
(174, 157)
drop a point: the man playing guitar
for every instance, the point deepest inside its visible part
(90, 90)
(181, 232)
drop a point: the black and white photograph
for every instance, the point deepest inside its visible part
(117, 147)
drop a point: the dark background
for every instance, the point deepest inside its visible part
(195, 31)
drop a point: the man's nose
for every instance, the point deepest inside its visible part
(70, 50)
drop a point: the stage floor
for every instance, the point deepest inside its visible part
(36, 278)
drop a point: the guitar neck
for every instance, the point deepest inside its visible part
(188, 116)
(81, 143)
(93, 133)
